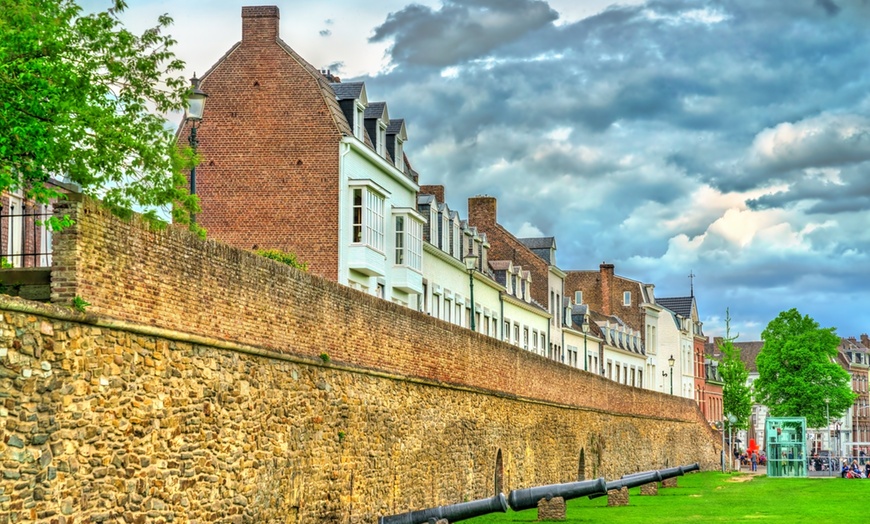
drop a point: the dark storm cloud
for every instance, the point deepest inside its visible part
(459, 30)
(651, 135)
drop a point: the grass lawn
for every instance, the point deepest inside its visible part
(717, 497)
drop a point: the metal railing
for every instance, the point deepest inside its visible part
(25, 241)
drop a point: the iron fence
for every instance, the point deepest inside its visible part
(25, 240)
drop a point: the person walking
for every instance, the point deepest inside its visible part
(754, 460)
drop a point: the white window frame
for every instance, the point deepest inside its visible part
(381, 146)
(359, 121)
(578, 297)
(626, 298)
(368, 220)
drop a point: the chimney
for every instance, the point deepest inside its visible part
(606, 271)
(260, 23)
(482, 211)
(437, 191)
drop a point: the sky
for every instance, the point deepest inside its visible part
(725, 139)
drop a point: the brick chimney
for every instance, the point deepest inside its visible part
(437, 191)
(482, 211)
(606, 271)
(260, 23)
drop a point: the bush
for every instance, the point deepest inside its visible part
(285, 258)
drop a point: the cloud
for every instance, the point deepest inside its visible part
(827, 140)
(460, 30)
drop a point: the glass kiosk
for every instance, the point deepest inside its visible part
(786, 446)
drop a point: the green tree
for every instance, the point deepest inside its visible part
(736, 395)
(81, 99)
(798, 372)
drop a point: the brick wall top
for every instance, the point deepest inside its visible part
(436, 190)
(174, 280)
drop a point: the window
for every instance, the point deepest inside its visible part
(399, 160)
(535, 340)
(578, 297)
(448, 309)
(507, 331)
(358, 122)
(517, 334)
(409, 242)
(626, 298)
(400, 240)
(382, 139)
(368, 218)
(525, 338)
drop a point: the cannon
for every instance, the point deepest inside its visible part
(453, 513)
(671, 472)
(632, 481)
(520, 499)
(691, 467)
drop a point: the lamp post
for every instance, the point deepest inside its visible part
(195, 108)
(731, 420)
(671, 363)
(585, 328)
(470, 266)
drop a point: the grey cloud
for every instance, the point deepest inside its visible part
(325, 32)
(459, 30)
(829, 6)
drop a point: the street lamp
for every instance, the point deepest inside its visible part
(731, 420)
(470, 266)
(585, 328)
(195, 108)
(671, 362)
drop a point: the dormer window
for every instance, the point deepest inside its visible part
(399, 156)
(359, 121)
(382, 139)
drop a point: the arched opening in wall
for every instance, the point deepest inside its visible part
(499, 474)
(581, 469)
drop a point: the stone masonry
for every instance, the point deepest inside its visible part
(193, 390)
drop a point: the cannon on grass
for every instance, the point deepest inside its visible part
(630, 481)
(691, 467)
(520, 499)
(453, 513)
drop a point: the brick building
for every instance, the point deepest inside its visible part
(292, 159)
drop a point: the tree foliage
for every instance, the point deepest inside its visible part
(81, 99)
(736, 395)
(798, 371)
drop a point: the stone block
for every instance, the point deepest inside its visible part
(650, 489)
(618, 497)
(553, 509)
(670, 483)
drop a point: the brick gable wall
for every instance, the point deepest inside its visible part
(483, 214)
(603, 292)
(269, 144)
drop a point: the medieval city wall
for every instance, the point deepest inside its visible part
(207, 384)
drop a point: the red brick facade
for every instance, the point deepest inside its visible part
(269, 142)
(603, 291)
(483, 214)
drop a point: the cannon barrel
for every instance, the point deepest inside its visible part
(632, 481)
(638, 473)
(671, 472)
(691, 467)
(453, 513)
(520, 499)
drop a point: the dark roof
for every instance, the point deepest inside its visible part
(679, 305)
(375, 109)
(348, 90)
(395, 126)
(539, 242)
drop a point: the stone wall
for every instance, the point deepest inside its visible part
(193, 390)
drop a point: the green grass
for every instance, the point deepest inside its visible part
(717, 497)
